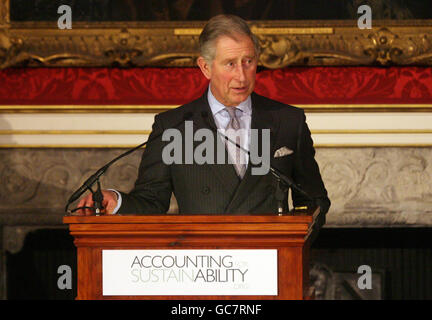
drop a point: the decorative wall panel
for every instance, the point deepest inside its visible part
(369, 187)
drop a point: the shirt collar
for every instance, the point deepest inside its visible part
(216, 106)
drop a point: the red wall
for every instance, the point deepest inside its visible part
(174, 86)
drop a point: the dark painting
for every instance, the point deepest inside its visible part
(197, 10)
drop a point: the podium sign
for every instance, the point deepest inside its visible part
(189, 272)
(192, 256)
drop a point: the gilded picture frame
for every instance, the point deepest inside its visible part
(405, 42)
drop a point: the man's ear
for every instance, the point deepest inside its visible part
(204, 66)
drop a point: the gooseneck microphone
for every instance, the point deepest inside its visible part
(280, 177)
(95, 177)
(97, 196)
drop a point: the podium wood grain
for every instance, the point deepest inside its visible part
(288, 234)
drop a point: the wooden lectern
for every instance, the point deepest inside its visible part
(288, 234)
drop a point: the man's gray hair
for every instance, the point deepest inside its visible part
(224, 25)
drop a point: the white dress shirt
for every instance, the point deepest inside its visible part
(222, 118)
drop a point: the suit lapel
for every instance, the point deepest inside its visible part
(203, 119)
(262, 118)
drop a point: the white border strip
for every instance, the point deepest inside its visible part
(129, 129)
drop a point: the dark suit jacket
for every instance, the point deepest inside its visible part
(215, 188)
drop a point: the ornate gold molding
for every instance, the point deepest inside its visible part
(4, 13)
(141, 44)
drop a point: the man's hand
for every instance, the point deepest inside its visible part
(109, 203)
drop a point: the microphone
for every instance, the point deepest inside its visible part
(95, 177)
(282, 178)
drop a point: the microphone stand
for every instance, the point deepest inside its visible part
(97, 195)
(98, 198)
(283, 182)
(281, 189)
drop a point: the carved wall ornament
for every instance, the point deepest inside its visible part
(378, 186)
(284, 43)
(373, 187)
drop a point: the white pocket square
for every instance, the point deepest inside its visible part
(282, 152)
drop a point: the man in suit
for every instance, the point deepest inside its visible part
(229, 54)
